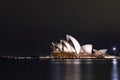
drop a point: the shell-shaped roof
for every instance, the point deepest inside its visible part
(75, 43)
(87, 48)
(100, 52)
(58, 45)
(68, 46)
(65, 49)
(103, 51)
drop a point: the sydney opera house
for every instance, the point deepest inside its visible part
(70, 48)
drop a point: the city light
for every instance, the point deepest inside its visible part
(114, 48)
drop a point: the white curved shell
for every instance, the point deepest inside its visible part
(68, 46)
(53, 45)
(100, 52)
(81, 51)
(94, 50)
(59, 46)
(65, 49)
(76, 44)
(103, 51)
(87, 48)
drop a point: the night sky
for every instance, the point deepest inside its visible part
(27, 27)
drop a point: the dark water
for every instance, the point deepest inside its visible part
(69, 69)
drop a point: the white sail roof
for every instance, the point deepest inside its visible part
(75, 43)
(95, 50)
(103, 51)
(100, 52)
(65, 49)
(87, 48)
(53, 44)
(82, 51)
(59, 46)
(68, 46)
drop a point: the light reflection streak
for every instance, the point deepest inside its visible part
(71, 61)
(83, 69)
(114, 72)
(57, 72)
(73, 69)
(88, 72)
(114, 61)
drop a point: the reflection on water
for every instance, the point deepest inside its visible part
(84, 69)
(71, 61)
(114, 72)
(70, 69)
(65, 69)
(73, 70)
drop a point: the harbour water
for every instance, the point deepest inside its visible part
(60, 69)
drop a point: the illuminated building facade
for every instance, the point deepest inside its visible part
(70, 48)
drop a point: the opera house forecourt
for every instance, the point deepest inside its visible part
(70, 48)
